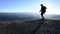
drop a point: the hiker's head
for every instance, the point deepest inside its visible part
(41, 4)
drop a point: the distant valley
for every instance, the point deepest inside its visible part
(25, 16)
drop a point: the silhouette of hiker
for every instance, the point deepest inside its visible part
(43, 10)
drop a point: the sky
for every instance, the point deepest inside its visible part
(53, 6)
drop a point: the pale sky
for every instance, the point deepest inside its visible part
(53, 6)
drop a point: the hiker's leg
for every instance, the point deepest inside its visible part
(42, 14)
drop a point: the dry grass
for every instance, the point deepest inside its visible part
(52, 27)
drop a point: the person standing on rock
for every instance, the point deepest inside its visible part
(43, 10)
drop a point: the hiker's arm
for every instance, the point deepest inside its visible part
(40, 11)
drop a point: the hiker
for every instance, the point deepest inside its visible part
(43, 10)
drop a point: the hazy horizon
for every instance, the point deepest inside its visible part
(26, 16)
